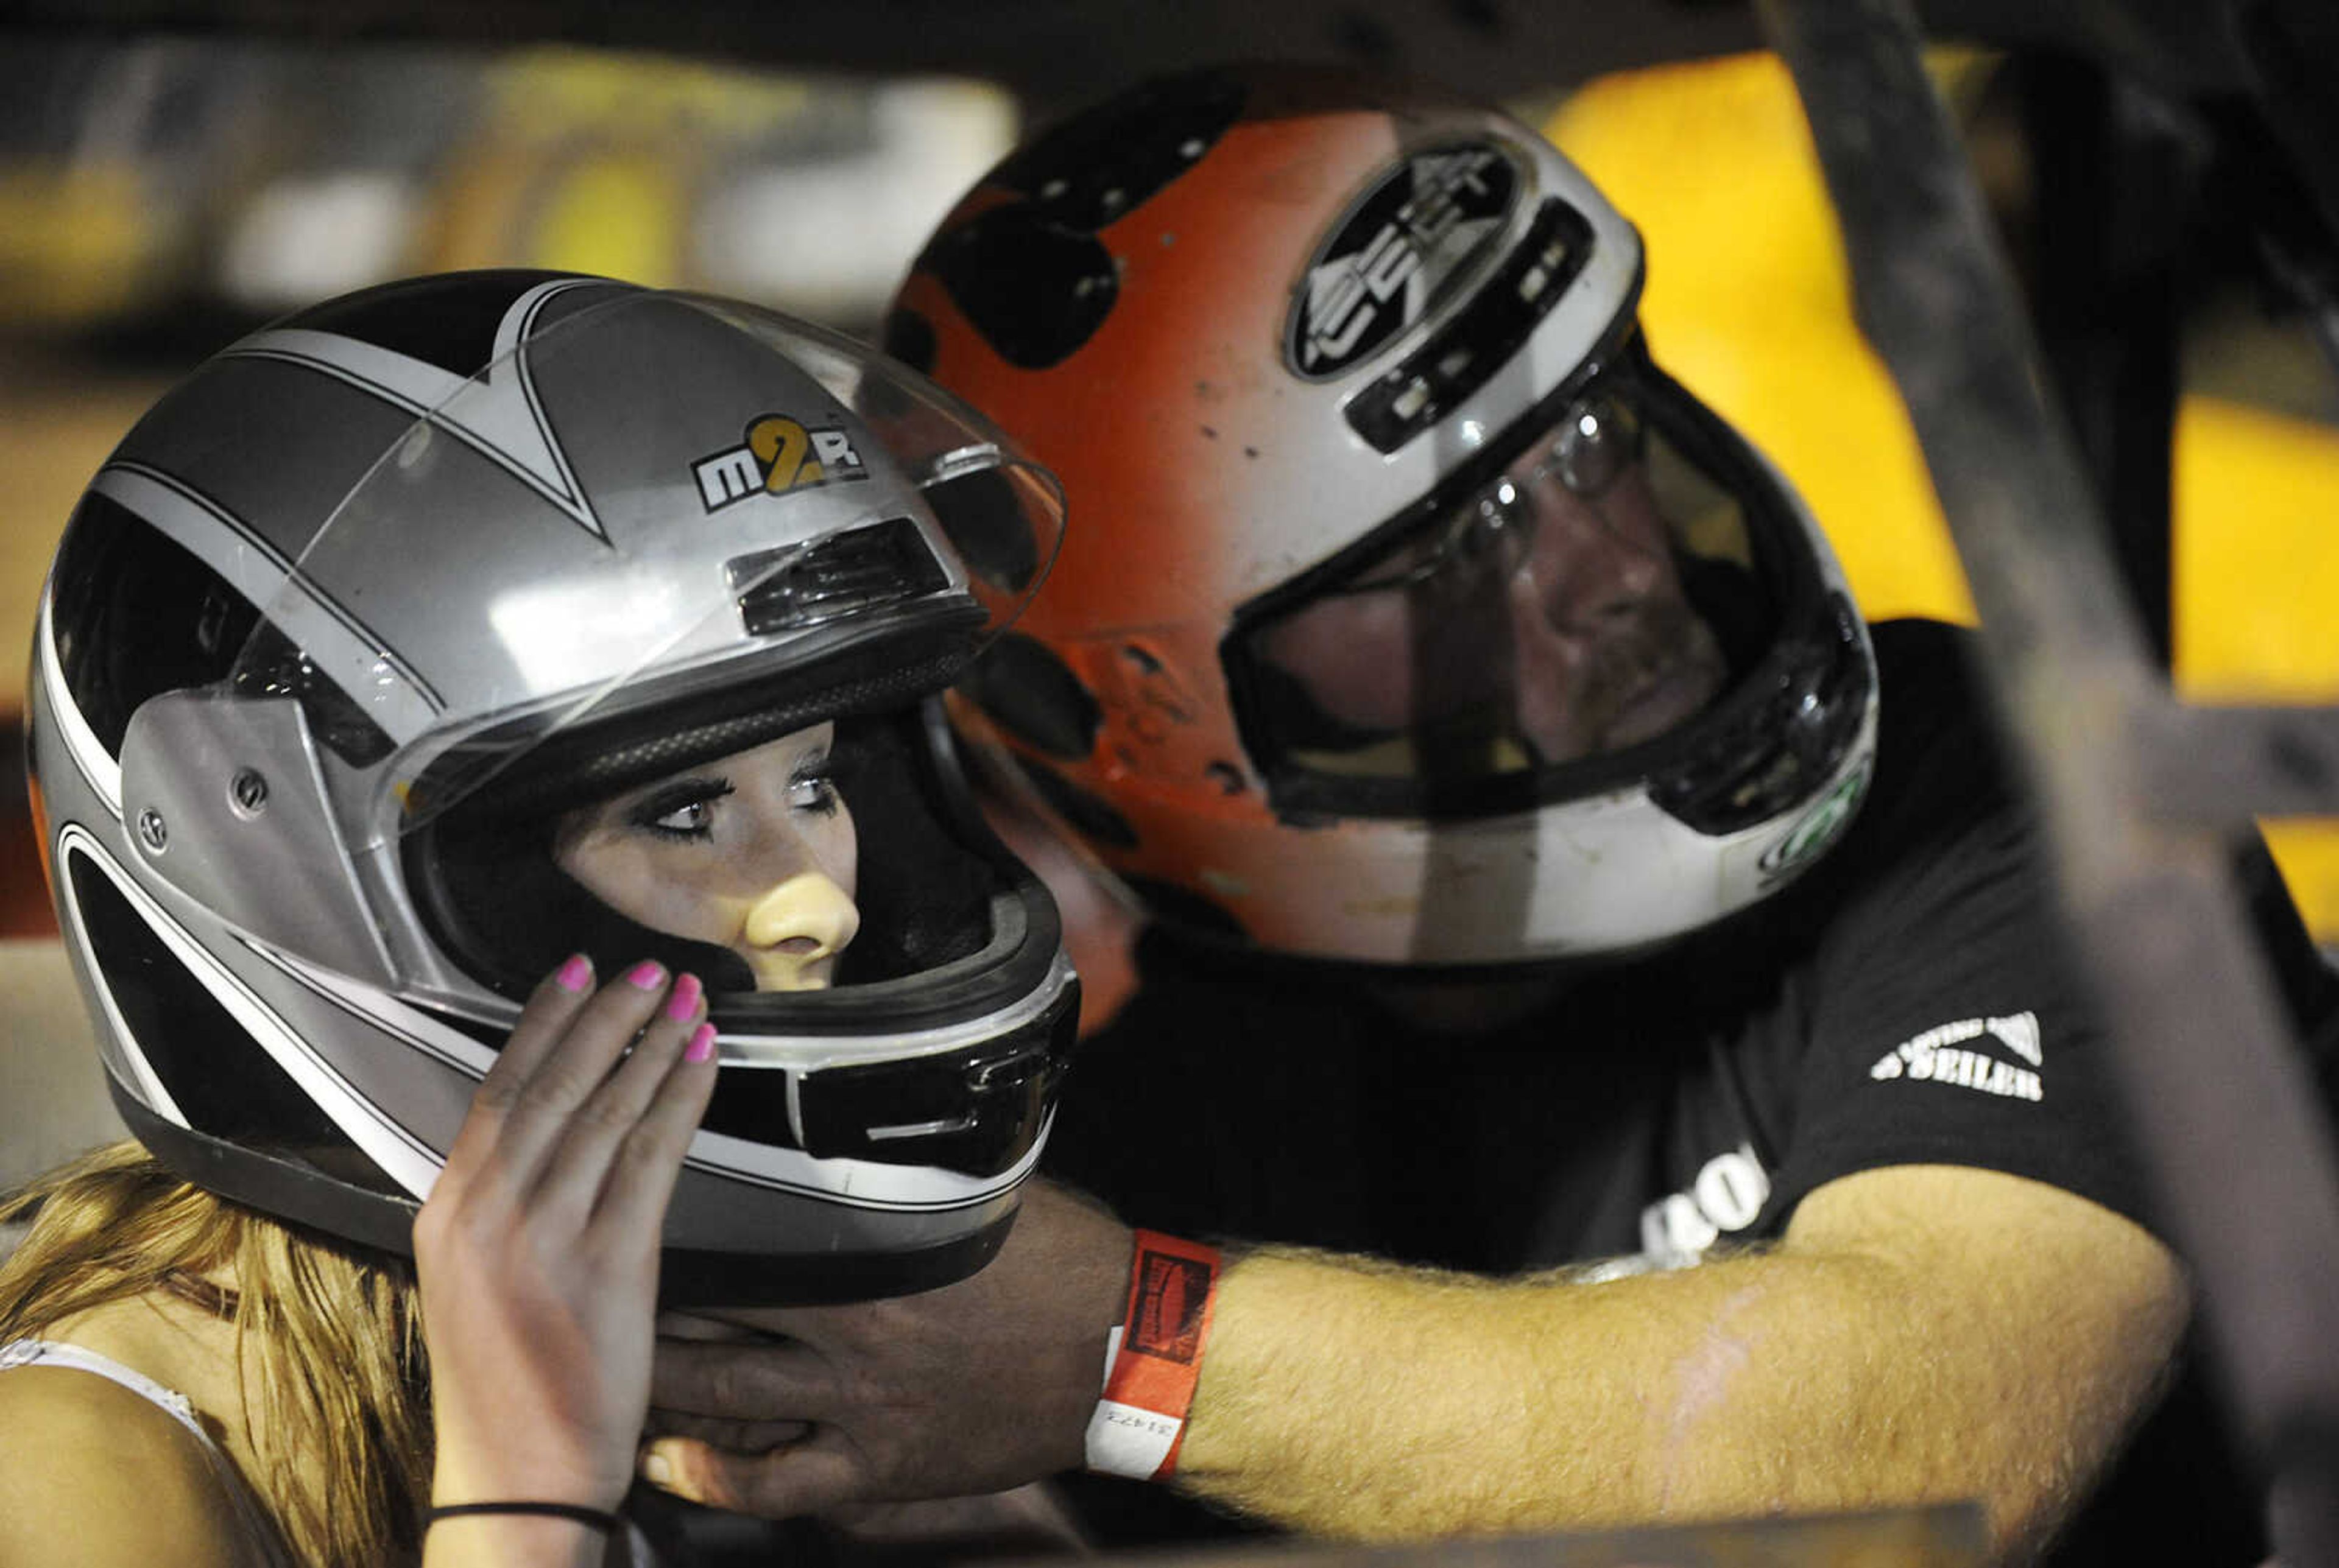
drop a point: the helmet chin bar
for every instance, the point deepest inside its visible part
(297, 1192)
(695, 1276)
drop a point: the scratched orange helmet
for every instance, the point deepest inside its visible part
(1413, 615)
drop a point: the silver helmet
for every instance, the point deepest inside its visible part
(364, 605)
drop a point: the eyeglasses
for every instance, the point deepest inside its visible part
(1593, 444)
(1599, 440)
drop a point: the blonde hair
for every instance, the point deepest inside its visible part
(329, 1345)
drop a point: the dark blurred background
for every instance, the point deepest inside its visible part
(173, 176)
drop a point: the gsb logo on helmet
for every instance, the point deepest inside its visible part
(1395, 253)
(780, 454)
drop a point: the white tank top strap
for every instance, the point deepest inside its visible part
(51, 1353)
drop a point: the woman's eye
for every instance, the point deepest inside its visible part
(684, 811)
(812, 792)
(691, 820)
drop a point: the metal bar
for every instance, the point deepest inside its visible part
(2220, 1101)
(2286, 49)
(2226, 766)
(2110, 187)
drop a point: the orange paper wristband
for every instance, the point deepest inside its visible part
(1155, 1359)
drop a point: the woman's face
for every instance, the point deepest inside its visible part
(754, 851)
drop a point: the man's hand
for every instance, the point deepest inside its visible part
(976, 1387)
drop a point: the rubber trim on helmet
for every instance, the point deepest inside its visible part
(666, 726)
(1013, 963)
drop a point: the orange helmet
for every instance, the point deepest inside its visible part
(1408, 612)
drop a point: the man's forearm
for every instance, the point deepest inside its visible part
(1996, 1351)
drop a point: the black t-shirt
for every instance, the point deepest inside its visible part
(1911, 1001)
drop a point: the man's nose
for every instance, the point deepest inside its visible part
(807, 914)
(1590, 574)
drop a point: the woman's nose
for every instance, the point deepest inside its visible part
(808, 914)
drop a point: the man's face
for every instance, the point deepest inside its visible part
(1560, 614)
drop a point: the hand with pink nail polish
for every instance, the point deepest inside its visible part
(537, 1250)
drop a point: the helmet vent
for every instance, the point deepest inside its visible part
(1782, 745)
(1481, 336)
(831, 579)
(977, 1110)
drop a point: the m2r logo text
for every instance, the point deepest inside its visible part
(779, 454)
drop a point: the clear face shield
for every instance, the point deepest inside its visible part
(1590, 599)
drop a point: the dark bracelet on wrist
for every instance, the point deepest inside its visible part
(595, 1518)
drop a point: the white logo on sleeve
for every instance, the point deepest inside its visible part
(1939, 1055)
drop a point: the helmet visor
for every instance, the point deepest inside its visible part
(649, 513)
(620, 644)
(1590, 597)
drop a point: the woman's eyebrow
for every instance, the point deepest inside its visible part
(675, 792)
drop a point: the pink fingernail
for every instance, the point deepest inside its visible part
(702, 1043)
(646, 976)
(575, 975)
(685, 999)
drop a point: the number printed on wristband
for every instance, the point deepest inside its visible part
(1141, 1425)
